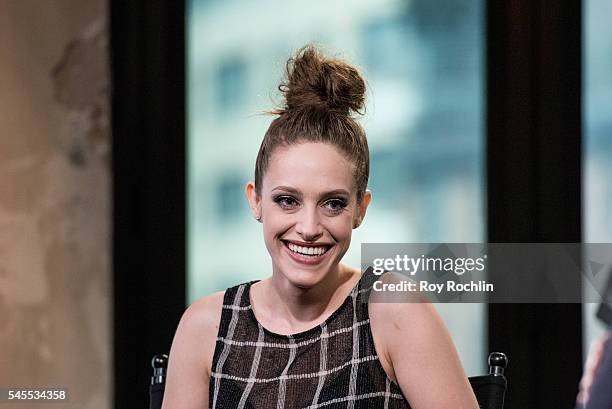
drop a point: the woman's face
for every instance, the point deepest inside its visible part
(308, 207)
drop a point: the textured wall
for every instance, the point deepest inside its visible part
(55, 281)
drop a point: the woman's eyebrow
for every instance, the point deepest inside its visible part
(336, 192)
(287, 189)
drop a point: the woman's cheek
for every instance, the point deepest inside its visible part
(339, 230)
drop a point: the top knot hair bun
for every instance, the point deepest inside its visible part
(320, 93)
(315, 81)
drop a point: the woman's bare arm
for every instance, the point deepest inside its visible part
(189, 365)
(417, 352)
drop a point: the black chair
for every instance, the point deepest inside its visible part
(158, 381)
(489, 389)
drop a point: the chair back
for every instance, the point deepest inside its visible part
(158, 381)
(489, 389)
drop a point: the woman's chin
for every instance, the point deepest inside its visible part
(303, 279)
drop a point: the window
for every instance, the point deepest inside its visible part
(424, 121)
(597, 132)
(230, 84)
(230, 198)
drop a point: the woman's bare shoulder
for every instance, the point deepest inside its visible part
(388, 313)
(202, 319)
(205, 313)
(399, 316)
(415, 346)
(197, 331)
(189, 366)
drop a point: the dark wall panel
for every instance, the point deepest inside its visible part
(148, 70)
(534, 183)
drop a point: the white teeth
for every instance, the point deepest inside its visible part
(310, 251)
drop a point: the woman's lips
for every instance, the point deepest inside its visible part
(307, 260)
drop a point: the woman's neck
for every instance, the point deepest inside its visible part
(290, 309)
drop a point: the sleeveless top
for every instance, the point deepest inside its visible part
(333, 365)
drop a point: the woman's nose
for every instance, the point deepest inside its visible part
(308, 224)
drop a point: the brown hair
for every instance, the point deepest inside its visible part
(321, 94)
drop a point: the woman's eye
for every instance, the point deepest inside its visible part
(335, 205)
(286, 202)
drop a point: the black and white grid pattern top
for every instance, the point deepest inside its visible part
(333, 365)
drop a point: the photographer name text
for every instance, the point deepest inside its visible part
(425, 286)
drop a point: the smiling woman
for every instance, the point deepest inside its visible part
(304, 337)
(306, 206)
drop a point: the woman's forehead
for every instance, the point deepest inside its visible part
(309, 165)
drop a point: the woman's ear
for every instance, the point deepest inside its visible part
(362, 208)
(254, 200)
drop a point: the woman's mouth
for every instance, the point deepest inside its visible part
(307, 254)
